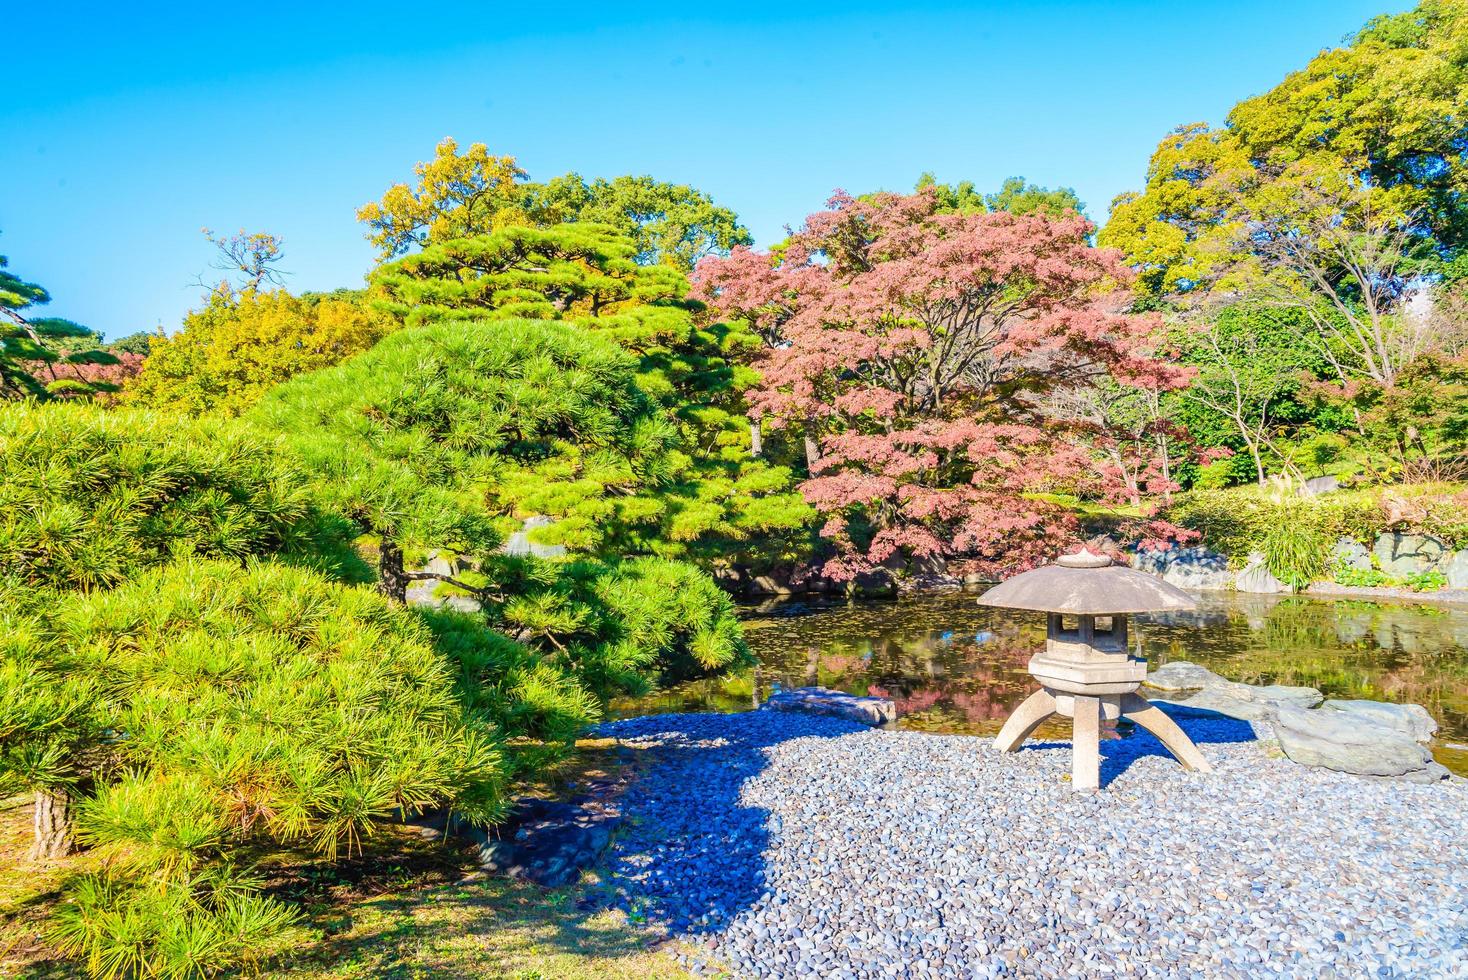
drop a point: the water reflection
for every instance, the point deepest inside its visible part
(954, 666)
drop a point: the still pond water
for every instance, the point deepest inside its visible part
(954, 666)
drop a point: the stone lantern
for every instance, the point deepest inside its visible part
(1085, 671)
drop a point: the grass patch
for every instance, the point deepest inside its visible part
(409, 907)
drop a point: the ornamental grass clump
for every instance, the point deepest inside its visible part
(1296, 548)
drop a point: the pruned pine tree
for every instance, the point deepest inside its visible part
(271, 706)
(31, 348)
(417, 440)
(90, 497)
(718, 499)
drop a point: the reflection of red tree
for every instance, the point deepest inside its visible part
(843, 663)
(911, 703)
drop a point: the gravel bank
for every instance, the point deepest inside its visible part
(786, 846)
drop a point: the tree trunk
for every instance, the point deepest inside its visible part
(1166, 468)
(756, 438)
(812, 453)
(1258, 460)
(53, 828)
(391, 579)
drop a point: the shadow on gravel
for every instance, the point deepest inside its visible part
(691, 855)
(1204, 727)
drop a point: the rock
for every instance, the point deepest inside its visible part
(1317, 485)
(1181, 675)
(1402, 554)
(1352, 554)
(769, 585)
(1455, 567)
(1207, 703)
(1249, 702)
(443, 563)
(879, 582)
(1336, 740)
(1187, 568)
(548, 842)
(1256, 577)
(463, 603)
(519, 543)
(834, 704)
(1411, 720)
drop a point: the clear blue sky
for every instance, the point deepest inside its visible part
(127, 127)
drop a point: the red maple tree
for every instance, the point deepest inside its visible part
(917, 352)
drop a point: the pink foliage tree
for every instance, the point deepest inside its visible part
(919, 354)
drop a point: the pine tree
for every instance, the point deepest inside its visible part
(433, 437)
(30, 349)
(719, 503)
(268, 707)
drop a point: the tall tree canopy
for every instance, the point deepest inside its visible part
(914, 349)
(1015, 195)
(1383, 114)
(715, 495)
(474, 193)
(228, 354)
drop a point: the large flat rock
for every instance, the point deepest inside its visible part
(1411, 720)
(834, 704)
(1336, 740)
(1225, 696)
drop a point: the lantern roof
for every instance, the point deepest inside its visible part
(1087, 584)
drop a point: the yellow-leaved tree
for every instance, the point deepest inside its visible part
(242, 343)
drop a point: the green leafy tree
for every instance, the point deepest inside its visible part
(1249, 367)
(476, 193)
(669, 224)
(1015, 195)
(1382, 112)
(456, 195)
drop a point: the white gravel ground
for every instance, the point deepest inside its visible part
(784, 846)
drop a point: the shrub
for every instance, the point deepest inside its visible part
(90, 497)
(621, 626)
(1370, 578)
(1238, 522)
(270, 707)
(241, 344)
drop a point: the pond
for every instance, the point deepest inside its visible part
(954, 666)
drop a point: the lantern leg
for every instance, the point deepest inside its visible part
(1085, 763)
(1026, 718)
(1143, 712)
